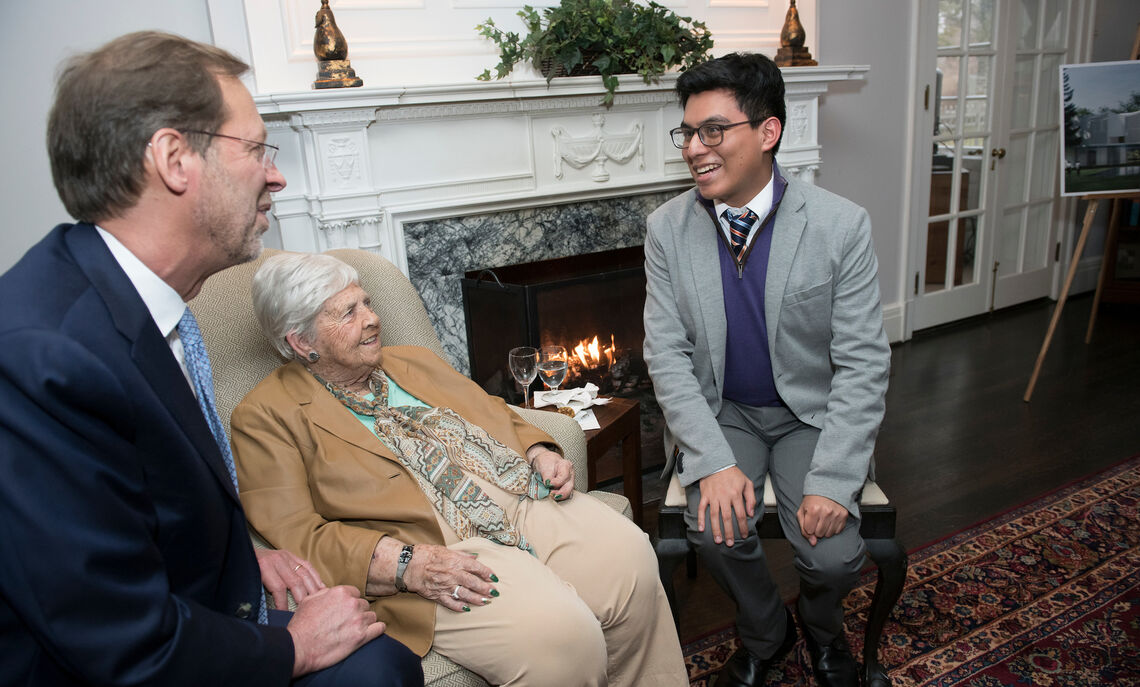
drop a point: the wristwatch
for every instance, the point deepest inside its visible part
(402, 566)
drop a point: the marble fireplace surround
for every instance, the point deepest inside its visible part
(445, 179)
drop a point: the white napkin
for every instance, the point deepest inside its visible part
(579, 400)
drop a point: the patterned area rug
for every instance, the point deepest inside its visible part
(1045, 594)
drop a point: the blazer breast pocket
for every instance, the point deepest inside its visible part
(805, 316)
(801, 295)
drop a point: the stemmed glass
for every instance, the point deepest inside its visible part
(524, 368)
(552, 366)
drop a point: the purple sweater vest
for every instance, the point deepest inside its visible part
(748, 377)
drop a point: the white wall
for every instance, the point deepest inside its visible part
(862, 128)
(37, 35)
(394, 43)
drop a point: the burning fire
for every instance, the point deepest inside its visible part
(588, 355)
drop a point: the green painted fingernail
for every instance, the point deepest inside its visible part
(558, 497)
(494, 592)
(547, 483)
(466, 609)
(494, 578)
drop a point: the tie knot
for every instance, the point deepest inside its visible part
(743, 217)
(739, 226)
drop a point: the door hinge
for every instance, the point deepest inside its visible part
(1057, 253)
(916, 283)
(926, 98)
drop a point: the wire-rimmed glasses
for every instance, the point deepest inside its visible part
(266, 153)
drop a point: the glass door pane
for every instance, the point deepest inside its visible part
(962, 133)
(1027, 192)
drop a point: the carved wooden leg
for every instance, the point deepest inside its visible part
(892, 563)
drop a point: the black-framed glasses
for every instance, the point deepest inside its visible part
(265, 152)
(710, 134)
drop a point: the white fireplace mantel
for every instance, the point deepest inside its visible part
(360, 163)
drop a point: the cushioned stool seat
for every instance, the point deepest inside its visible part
(877, 529)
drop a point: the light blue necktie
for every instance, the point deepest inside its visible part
(202, 377)
(739, 226)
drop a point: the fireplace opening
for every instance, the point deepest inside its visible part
(590, 304)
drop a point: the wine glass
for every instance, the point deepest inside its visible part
(552, 366)
(524, 367)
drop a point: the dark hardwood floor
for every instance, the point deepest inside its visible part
(958, 445)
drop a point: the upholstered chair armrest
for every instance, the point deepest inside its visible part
(566, 433)
(565, 430)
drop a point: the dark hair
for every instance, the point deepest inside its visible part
(754, 79)
(109, 102)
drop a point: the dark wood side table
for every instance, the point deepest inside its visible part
(620, 421)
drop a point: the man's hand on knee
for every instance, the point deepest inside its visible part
(328, 626)
(820, 517)
(724, 494)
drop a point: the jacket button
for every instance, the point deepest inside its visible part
(244, 610)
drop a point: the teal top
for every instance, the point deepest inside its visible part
(397, 396)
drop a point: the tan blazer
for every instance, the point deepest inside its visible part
(316, 481)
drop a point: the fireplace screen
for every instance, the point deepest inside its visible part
(590, 304)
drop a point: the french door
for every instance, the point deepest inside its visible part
(986, 217)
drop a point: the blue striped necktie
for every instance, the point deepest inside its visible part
(202, 377)
(739, 226)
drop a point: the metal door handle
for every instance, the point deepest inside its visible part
(999, 153)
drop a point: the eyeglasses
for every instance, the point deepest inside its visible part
(265, 152)
(710, 134)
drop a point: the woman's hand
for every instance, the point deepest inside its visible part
(452, 579)
(556, 472)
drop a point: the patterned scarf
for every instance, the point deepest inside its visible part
(442, 449)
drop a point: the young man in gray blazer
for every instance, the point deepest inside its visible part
(764, 338)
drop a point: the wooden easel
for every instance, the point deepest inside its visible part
(1090, 212)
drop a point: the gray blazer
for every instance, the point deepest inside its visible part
(830, 354)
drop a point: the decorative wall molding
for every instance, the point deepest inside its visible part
(597, 148)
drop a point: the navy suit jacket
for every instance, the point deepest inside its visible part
(124, 553)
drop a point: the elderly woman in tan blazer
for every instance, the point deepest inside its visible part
(390, 471)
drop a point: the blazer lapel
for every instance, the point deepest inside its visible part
(149, 349)
(787, 231)
(704, 259)
(330, 414)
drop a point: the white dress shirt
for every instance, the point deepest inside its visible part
(761, 205)
(163, 302)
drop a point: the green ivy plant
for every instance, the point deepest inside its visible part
(604, 37)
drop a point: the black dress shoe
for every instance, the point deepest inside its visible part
(745, 670)
(833, 664)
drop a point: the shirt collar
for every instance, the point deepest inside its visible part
(772, 193)
(163, 302)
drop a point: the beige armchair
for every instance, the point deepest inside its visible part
(241, 357)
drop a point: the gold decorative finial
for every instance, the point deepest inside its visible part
(792, 52)
(333, 67)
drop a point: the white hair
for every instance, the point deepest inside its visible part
(289, 291)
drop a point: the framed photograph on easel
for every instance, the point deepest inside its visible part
(1100, 160)
(1100, 127)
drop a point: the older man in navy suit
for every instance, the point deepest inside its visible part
(124, 552)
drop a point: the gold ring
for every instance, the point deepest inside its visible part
(298, 567)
